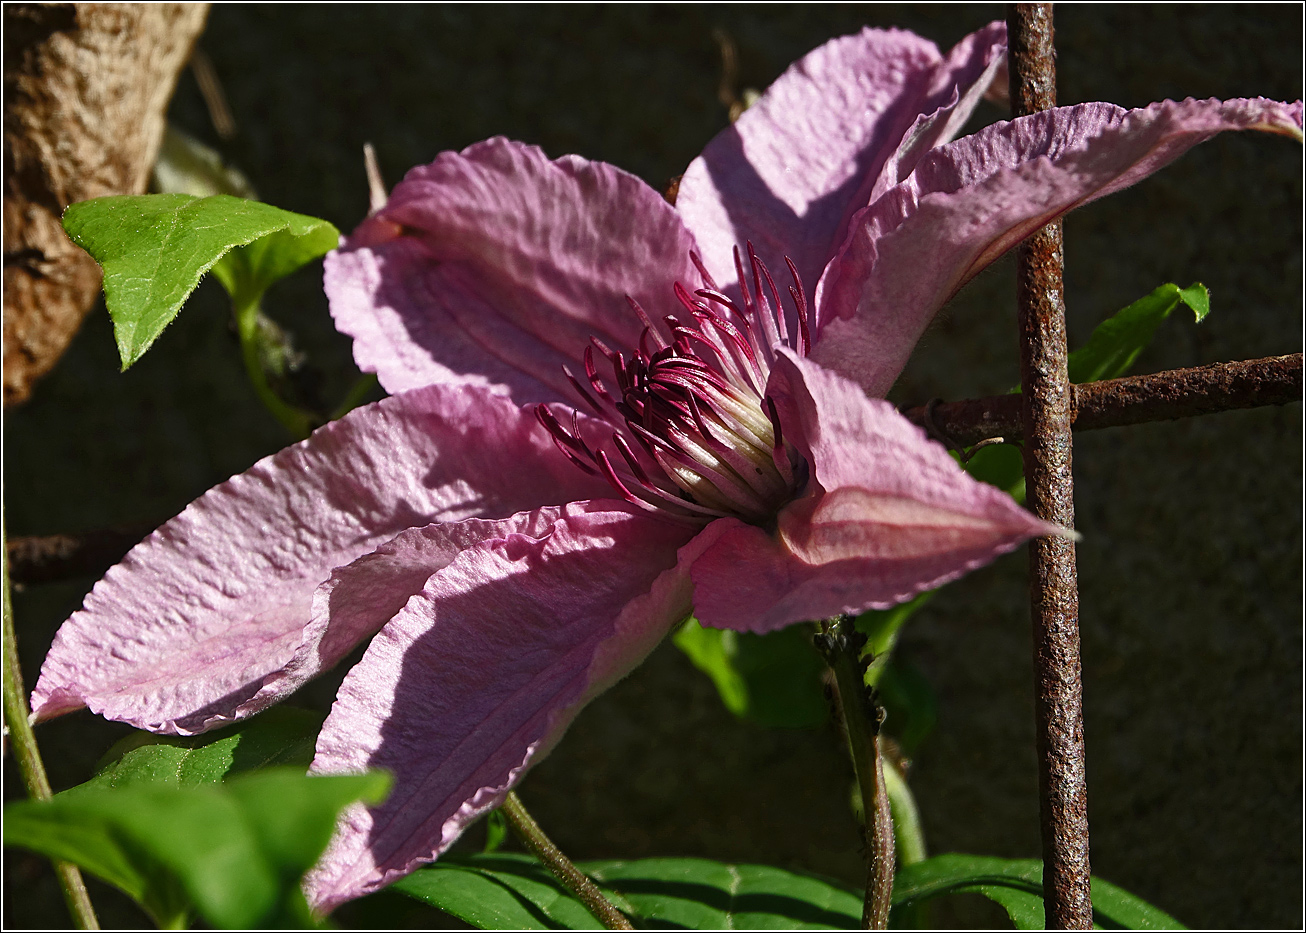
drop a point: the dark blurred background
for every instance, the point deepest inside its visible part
(1191, 561)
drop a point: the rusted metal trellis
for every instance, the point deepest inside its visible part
(1043, 416)
(1046, 414)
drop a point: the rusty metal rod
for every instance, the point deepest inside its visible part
(1054, 596)
(1165, 396)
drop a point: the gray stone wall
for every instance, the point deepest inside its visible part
(1191, 563)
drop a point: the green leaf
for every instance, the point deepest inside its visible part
(1000, 465)
(500, 891)
(496, 830)
(911, 708)
(678, 892)
(187, 166)
(772, 679)
(705, 894)
(712, 651)
(155, 247)
(881, 626)
(280, 736)
(1025, 908)
(232, 852)
(1117, 341)
(1113, 906)
(998, 878)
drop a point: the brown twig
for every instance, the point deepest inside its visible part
(47, 558)
(840, 645)
(215, 100)
(1164, 396)
(1046, 415)
(562, 868)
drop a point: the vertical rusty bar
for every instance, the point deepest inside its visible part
(1054, 600)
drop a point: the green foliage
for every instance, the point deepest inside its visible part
(232, 852)
(281, 736)
(187, 166)
(1000, 465)
(1017, 885)
(910, 707)
(496, 830)
(154, 248)
(515, 891)
(772, 679)
(157, 821)
(1117, 341)
(881, 627)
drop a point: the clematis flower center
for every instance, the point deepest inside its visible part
(685, 428)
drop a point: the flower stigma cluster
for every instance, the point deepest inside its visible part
(696, 435)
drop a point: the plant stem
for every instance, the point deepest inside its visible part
(354, 397)
(910, 843)
(247, 313)
(839, 642)
(571, 877)
(28, 755)
(908, 834)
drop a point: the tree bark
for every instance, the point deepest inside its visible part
(86, 89)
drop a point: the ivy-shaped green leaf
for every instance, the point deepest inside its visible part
(155, 247)
(233, 852)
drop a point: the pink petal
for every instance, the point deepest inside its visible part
(475, 680)
(888, 515)
(789, 174)
(192, 628)
(970, 201)
(360, 597)
(965, 76)
(496, 266)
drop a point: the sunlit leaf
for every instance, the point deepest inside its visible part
(280, 736)
(155, 247)
(772, 679)
(1117, 341)
(232, 853)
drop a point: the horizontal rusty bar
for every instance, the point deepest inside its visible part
(1165, 396)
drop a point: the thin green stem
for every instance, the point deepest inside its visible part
(355, 396)
(910, 843)
(28, 755)
(571, 877)
(247, 312)
(840, 644)
(908, 833)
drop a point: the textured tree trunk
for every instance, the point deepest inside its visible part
(86, 86)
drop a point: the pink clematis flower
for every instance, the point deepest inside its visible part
(602, 416)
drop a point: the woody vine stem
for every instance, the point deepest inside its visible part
(840, 645)
(562, 868)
